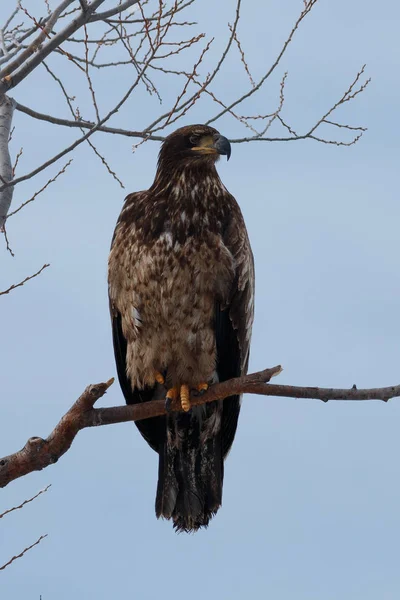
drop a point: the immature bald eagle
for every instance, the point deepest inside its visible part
(181, 288)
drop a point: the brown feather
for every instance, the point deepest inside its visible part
(181, 284)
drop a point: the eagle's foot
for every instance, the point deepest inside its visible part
(202, 387)
(159, 377)
(172, 395)
(185, 397)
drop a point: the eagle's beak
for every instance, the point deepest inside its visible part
(222, 145)
(216, 144)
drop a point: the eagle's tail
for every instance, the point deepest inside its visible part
(191, 468)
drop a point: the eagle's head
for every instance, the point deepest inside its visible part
(193, 144)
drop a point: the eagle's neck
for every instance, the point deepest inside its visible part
(190, 201)
(191, 183)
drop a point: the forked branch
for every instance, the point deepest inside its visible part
(39, 453)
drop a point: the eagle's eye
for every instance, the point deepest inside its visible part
(194, 140)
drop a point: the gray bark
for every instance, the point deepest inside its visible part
(7, 106)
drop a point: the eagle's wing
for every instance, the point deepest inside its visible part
(153, 430)
(234, 321)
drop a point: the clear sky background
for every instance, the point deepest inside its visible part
(311, 493)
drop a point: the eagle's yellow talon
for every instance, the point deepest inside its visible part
(159, 378)
(202, 387)
(172, 394)
(185, 397)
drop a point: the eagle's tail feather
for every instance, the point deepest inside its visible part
(191, 469)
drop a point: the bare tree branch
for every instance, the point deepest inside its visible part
(23, 552)
(40, 54)
(152, 127)
(39, 453)
(8, 247)
(45, 186)
(113, 11)
(152, 31)
(84, 5)
(86, 124)
(35, 45)
(79, 140)
(174, 10)
(307, 8)
(7, 106)
(21, 283)
(10, 510)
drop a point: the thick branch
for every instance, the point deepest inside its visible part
(6, 171)
(33, 47)
(39, 453)
(40, 54)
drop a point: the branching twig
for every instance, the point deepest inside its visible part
(83, 138)
(46, 185)
(39, 55)
(153, 49)
(308, 7)
(39, 453)
(5, 74)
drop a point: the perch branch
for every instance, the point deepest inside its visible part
(39, 453)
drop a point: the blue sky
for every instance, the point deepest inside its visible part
(311, 491)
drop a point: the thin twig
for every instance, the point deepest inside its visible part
(152, 127)
(18, 156)
(23, 552)
(36, 194)
(113, 11)
(26, 66)
(8, 247)
(84, 137)
(5, 74)
(10, 510)
(21, 283)
(264, 78)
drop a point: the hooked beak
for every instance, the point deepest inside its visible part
(222, 145)
(216, 144)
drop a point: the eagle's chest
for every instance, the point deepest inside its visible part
(165, 286)
(177, 281)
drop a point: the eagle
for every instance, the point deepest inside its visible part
(181, 292)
